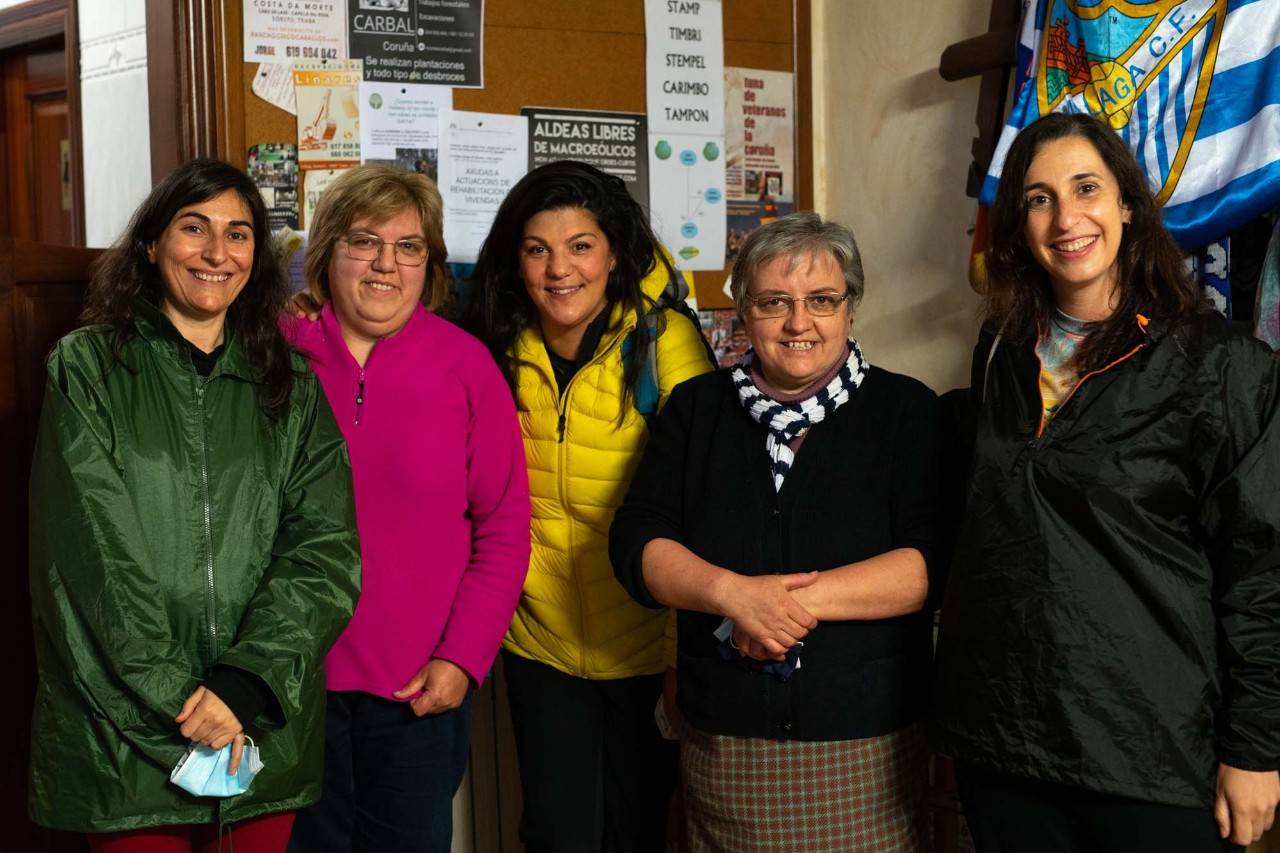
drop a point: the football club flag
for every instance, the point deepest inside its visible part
(1192, 87)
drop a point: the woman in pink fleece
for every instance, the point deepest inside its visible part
(442, 506)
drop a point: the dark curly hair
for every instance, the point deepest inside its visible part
(124, 272)
(500, 308)
(1151, 279)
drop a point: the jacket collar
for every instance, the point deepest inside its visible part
(1152, 329)
(160, 334)
(337, 345)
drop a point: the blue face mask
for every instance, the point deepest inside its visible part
(203, 771)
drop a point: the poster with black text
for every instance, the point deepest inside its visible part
(612, 142)
(440, 42)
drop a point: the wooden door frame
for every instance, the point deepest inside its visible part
(195, 54)
(36, 21)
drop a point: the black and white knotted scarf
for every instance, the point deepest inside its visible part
(787, 421)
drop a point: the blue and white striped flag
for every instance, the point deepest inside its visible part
(1193, 87)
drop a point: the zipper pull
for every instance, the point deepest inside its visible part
(359, 396)
(560, 429)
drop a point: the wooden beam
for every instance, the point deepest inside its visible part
(194, 67)
(802, 45)
(75, 127)
(991, 55)
(32, 21)
(972, 57)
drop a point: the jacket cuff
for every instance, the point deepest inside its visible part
(244, 693)
(474, 670)
(1247, 761)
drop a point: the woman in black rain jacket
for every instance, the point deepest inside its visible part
(1109, 657)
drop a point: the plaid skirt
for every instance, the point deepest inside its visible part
(766, 796)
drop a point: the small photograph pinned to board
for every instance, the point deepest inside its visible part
(274, 170)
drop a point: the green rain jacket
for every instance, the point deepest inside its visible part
(173, 529)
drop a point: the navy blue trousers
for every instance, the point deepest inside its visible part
(389, 778)
(1009, 814)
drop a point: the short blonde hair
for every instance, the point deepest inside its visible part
(377, 192)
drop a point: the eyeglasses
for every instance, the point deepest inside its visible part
(817, 304)
(366, 247)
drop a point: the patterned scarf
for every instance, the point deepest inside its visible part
(787, 421)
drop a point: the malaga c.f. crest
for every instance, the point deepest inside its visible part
(1146, 70)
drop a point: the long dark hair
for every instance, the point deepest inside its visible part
(500, 308)
(124, 272)
(1150, 280)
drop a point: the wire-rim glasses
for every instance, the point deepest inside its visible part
(368, 247)
(779, 305)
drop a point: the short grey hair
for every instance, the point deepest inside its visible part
(796, 235)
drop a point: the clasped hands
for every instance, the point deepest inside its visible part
(767, 615)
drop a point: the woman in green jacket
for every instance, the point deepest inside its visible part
(193, 545)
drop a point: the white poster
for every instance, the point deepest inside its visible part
(686, 192)
(481, 156)
(114, 115)
(285, 31)
(400, 116)
(759, 135)
(684, 66)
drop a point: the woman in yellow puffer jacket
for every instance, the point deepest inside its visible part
(582, 309)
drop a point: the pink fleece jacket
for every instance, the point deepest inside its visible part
(442, 499)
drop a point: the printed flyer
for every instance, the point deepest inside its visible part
(400, 124)
(285, 31)
(439, 42)
(759, 134)
(687, 208)
(612, 142)
(328, 114)
(481, 156)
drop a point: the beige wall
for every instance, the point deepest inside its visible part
(891, 154)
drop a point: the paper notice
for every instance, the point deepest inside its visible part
(274, 84)
(481, 156)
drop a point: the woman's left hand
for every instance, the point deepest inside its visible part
(1246, 803)
(206, 719)
(443, 685)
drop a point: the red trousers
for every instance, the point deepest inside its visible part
(267, 834)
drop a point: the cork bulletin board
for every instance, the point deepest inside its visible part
(572, 54)
(584, 55)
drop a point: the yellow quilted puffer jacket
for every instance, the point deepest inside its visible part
(573, 614)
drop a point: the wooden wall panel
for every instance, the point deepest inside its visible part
(42, 290)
